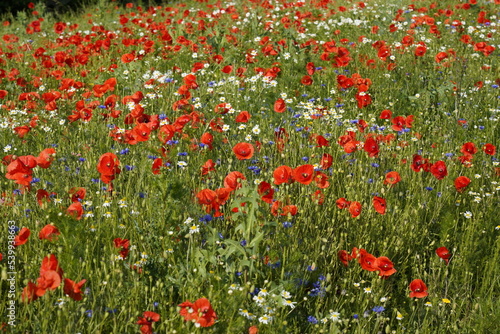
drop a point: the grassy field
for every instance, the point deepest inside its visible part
(251, 166)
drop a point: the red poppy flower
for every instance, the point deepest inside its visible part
(201, 312)
(306, 80)
(22, 237)
(443, 253)
(321, 141)
(266, 192)
(279, 106)
(207, 139)
(310, 68)
(206, 196)
(385, 114)
(227, 69)
(419, 163)
(379, 204)
(371, 147)
(140, 133)
(20, 170)
(232, 180)
(77, 194)
(364, 99)
(469, 148)
(304, 174)
(73, 289)
(222, 108)
(223, 195)
(253, 330)
(121, 243)
(461, 183)
(41, 195)
(367, 260)
(398, 123)
(208, 166)
(321, 180)
(48, 280)
(243, 151)
(166, 133)
(342, 203)
(355, 209)
(344, 82)
(29, 293)
(75, 210)
(50, 263)
(22, 131)
(438, 169)
(344, 257)
(385, 266)
(489, 149)
(392, 178)
(418, 289)
(48, 232)
(127, 58)
(190, 80)
(466, 159)
(326, 161)
(420, 50)
(157, 164)
(282, 174)
(243, 117)
(289, 209)
(146, 322)
(108, 164)
(440, 57)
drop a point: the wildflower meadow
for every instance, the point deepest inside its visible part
(317, 166)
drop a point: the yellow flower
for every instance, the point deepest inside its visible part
(446, 301)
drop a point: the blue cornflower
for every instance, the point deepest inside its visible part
(205, 219)
(312, 320)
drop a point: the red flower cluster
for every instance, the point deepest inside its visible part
(108, 167)
(51, 276)
(20, 169)
(368, 262)
(213, 200)
(200, 312)
(147, 320)
(123, 245)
